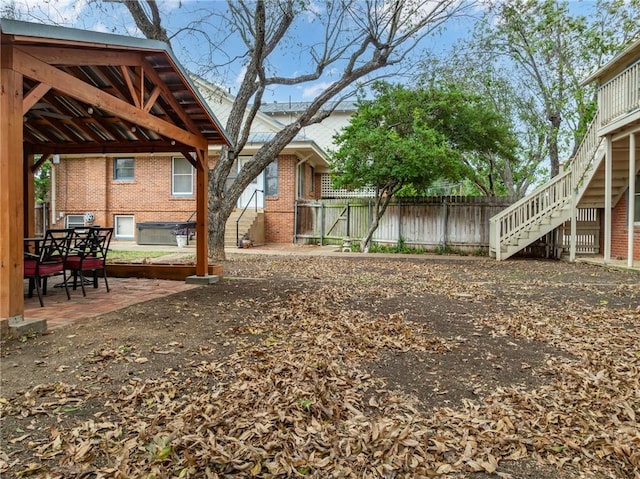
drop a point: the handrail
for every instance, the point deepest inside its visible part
(242, 213)
(620, 95)
(547, 198)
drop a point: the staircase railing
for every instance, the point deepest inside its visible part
(620, 95)
(554, 195)
(253, 195)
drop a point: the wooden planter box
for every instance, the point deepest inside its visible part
(176, 272)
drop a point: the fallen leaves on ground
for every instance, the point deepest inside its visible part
(294, 399)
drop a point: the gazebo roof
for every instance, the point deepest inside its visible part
(125, 76)
(71, 91)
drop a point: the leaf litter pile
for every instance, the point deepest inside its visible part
(294, 394)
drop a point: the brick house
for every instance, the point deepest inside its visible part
(140, 189)
(596, 199)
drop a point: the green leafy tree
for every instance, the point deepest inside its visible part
(411, 138)
(474, 71)
(548, 50)
(42, 182)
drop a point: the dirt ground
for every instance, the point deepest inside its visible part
(340, 367)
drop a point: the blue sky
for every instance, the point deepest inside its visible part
(290, 60)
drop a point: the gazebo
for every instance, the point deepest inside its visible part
(69, 91)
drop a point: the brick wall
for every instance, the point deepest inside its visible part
(619, 235)
(279, 210)
(87, 184)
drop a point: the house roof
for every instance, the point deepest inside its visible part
(263, 128)
(92, 92)
(627, 55)
(300, 106)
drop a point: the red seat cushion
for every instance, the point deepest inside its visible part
(75, 262)
(30, 267)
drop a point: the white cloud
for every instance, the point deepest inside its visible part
(313, 91)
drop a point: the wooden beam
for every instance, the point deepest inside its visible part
(32, 97)
(108, 148)
(36, 165)
(169, 98)
(70, 85)
(82, 56)
(194, 161)
(29, 196)
(152, 99)
(127, 79)
(202, 218)
(11, 191)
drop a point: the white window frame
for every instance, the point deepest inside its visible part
(270, 173)
(124, 178)
(173, 178)
(118, 236)
(74, 221)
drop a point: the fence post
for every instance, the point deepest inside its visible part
(348, 220)
(321, 224)
(445, 212)
(370, 219)
(399, 222)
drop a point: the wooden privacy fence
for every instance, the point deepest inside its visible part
(460, 222)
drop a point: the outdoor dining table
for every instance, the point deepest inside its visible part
(36, 242)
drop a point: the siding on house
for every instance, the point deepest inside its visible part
(322, 133)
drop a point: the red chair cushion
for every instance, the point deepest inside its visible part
(49, 269)
(30, 267)
(75, 262)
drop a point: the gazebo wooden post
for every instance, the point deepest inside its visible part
(11, 191)
(202, 220)
(29, 197)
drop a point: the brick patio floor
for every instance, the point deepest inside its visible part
(58, 311)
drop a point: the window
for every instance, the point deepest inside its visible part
(123, 226)
(302, 170)
(73, 221)
(271, 179)
(123, 169)
(181, 177)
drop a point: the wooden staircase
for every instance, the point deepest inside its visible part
(244, 226)
(550, 205)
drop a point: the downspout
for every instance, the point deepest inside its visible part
(55, 161)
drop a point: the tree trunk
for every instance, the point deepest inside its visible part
(219, 211)
(381, 206)
(554, 156)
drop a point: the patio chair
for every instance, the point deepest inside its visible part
(88, 253)
(47, 258)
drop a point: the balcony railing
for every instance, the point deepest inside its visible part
(620, 96)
